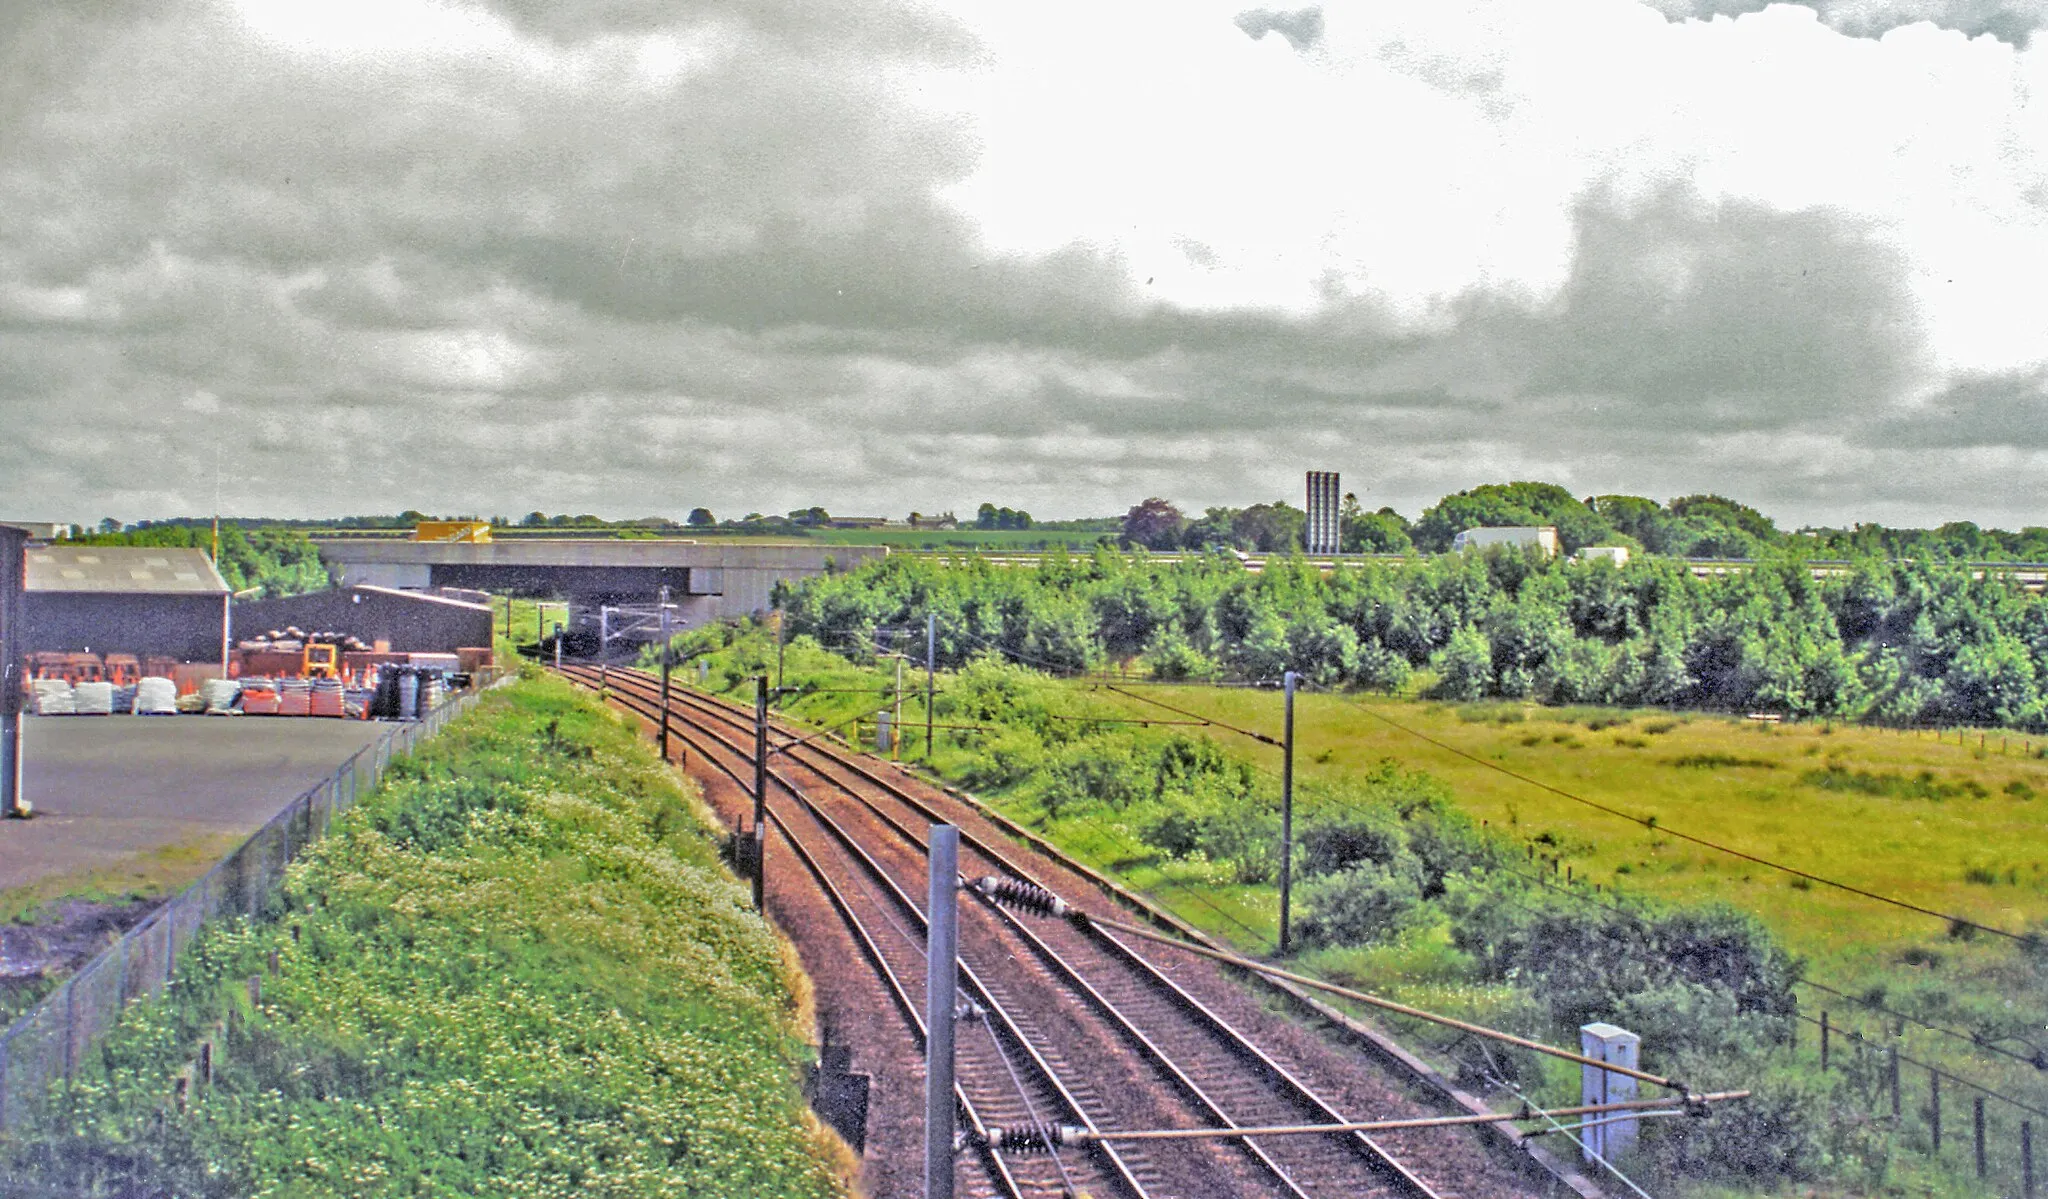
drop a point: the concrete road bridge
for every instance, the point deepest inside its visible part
(707, 581)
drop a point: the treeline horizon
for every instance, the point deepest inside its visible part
(1691, 526)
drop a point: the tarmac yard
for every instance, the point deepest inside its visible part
(155, 800)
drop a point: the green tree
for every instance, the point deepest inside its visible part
(1154, 524)
(1464, 666)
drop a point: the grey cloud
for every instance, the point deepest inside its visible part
(2011, 21)
(1302, 27)
(740, 291)
(859, 27)
(2001, 410)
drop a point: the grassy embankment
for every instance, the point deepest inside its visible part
(1944, 825)
(518, 969)
(1948, 821)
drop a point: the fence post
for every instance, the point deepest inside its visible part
(1894, 1071)
(1934, 1107)
(2027, 1159)
(1977, 1119)
(1823, 1040)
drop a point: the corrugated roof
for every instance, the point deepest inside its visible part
(130, 568)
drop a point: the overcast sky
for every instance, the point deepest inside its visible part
(633, 256)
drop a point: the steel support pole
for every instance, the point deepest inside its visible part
(1287, 816)
(931, 657)
(941, 982)
(664, 674)
(761, 794)
(13, 666)
(896, 720)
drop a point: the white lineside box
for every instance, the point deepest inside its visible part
(1608, 1135)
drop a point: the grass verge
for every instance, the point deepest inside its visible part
(518, 969)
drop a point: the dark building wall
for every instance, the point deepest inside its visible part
(186, 627)
(410, 623)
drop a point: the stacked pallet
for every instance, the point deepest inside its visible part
(156, 696)
(220, 696)
(326, 698)
(294, 697)
(259, 697)
(93, 699)
(54, 698)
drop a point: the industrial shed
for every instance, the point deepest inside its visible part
(1543, 537)
(149, 601)
(407, 621)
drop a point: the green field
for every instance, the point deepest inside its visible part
(1948, 821)
(1949, 826)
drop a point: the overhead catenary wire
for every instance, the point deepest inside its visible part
(1652, 823)
(1648, 822)
(1240, 731)
(2038, 1060)
(1690, 1105)
(1851, 1033)
(1032, 898)
(1975, 1040)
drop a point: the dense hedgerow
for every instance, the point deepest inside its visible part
(1891, 641)
(518, 970)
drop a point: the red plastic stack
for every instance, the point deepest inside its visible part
(325, 698)
(259, 697)
(295, 697)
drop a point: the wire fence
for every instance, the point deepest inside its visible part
(50, 1041)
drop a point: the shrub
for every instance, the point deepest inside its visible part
(1463, 667)
(1365, 835)
(1358, 906)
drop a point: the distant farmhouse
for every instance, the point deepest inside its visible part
(39, 530)
(1544, 536)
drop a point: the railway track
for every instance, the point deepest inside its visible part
(1065, 1024)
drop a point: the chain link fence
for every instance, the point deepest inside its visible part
(50, 1041)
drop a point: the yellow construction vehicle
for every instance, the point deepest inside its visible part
(323, 660)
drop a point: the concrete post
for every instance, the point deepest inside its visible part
(1611, 1134)
(761, 794)
(941, 981)
(13, 666)
(885, 732)
(1287, 816)
(664, 673)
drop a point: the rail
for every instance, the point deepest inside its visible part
(50, 1041)
(1196, 1077)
